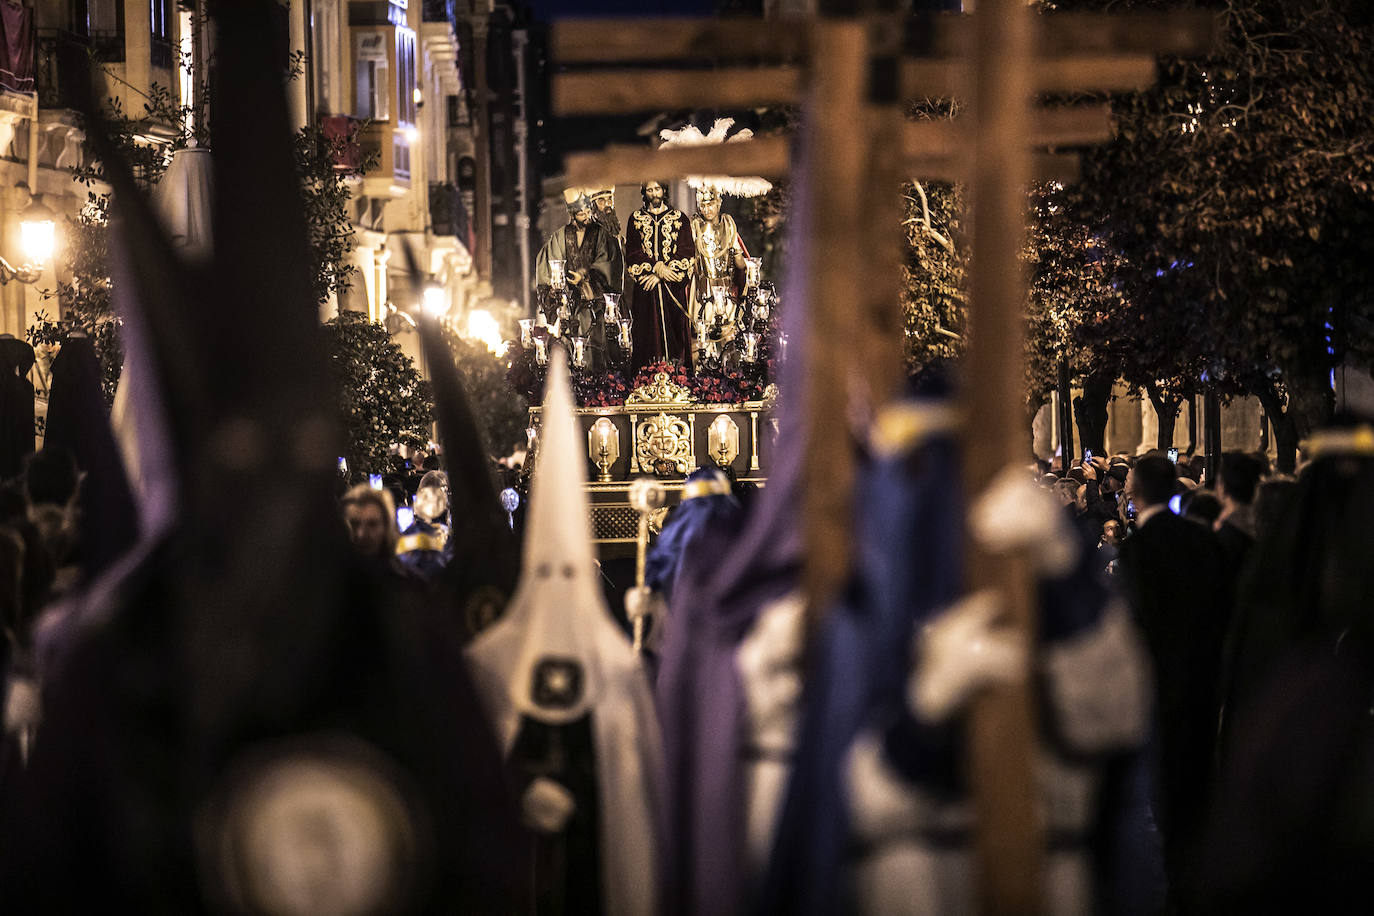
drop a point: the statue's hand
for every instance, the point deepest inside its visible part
(650, 281)
(574, 277)
(673, 276)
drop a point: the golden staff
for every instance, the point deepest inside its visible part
(646, 495)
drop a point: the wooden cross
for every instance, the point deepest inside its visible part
(853, 78)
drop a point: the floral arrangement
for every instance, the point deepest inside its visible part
(676, 374)
(610, 387)
(599, 389)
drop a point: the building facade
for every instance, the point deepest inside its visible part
(435, 91)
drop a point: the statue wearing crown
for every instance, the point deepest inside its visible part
(575, 266)
(720, 253)
(721, 275)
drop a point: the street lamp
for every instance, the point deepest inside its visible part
(434, 300)
(37, 227)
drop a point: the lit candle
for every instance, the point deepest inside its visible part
(558, 278)
(721, 297)
(579, 354)
(626, 339)
(612, 306)
(526, 332)
(753, 272)
(541, 351)
(751, 347)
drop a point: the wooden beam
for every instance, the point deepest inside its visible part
(1183, 33)
(1061, 167)
(766, 157)
(1052, 128)
(1094, 73)
(930, 79)
(939, 79)
(586, 41)
(640, 40)
(1076, 125)
(831, 215)
(1003, 743)
(610, 92)
(934, 150)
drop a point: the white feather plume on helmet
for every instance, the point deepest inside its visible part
(722, 184)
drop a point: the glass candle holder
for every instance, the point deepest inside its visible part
(751, 347)
(579, 352)
(558, 275)
(612, 306)
(626, 337)
(721, 299)
(541, 351)
(753, 272)
(526, 332)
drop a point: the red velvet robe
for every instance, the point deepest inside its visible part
(661, 326)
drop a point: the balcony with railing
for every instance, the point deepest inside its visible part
(61, 58)
(447, 215)
(107, 45)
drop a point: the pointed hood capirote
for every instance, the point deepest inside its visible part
(485, 564)
(248, 650)
(557, 656)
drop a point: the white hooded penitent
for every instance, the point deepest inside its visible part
(558, 625)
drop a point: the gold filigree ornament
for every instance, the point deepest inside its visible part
(664, 444)
(662, 390)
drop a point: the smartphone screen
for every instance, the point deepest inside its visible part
(1173, 455)
(374, 481)
(1087, 454)
(404, 516)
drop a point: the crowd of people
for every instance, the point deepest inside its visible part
(1239, 593)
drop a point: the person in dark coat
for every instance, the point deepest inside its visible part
(79, 420)
(1170, 570)
(16, 404)
(1292, 827)
(1235, 527)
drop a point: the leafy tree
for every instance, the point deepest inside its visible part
(1237, 191)
(501, 412)
(84, 299)
(383, 401)
(934, 302)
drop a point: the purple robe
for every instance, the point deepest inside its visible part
(661, 326)
(726, 577)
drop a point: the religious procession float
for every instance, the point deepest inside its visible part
(670, 332)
